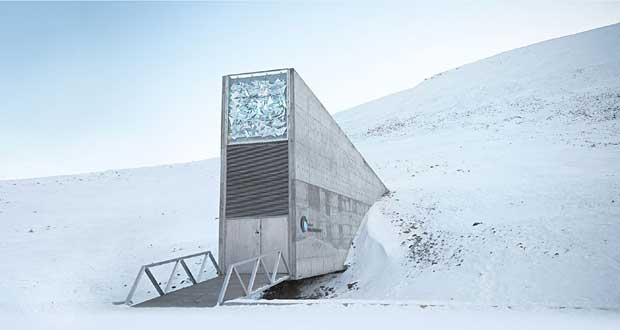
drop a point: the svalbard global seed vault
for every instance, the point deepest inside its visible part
(293, 193)
(291, 180)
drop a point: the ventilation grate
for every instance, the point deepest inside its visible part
(257, 179)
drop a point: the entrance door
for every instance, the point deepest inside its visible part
(242, 241)
(247, 238)
(274, 237)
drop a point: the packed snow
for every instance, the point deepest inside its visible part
(504, 211)
(321, 316)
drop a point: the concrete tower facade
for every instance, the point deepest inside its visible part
(291, 180)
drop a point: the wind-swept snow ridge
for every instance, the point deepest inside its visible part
(573, 77)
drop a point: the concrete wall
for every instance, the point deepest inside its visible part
(332, 185)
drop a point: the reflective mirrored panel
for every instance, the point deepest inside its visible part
(257, 108)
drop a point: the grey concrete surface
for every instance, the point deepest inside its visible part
(203, 294)
(334, 187)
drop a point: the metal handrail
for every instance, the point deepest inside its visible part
(258, 262)
(146, 269)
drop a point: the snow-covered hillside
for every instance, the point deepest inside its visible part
(78, 241)
(505, 179)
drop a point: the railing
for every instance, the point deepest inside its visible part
(258, 262)
(146, 269)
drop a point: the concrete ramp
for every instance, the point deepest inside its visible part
(203, 294)
(234, 284)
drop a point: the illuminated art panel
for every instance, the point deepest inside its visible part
(257, 108)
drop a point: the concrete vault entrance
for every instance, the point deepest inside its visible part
(293, 191)
(291, 179)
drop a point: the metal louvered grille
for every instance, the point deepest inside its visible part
(257, 179)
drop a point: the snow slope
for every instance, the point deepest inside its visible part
(505, 176)
(78, 241)
(505, 179)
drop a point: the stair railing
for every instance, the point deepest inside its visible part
(258, 262)
(146, 269)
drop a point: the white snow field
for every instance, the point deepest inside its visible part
(504, 212)
(78, 241)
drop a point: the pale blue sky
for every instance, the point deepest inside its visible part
(96, 86)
